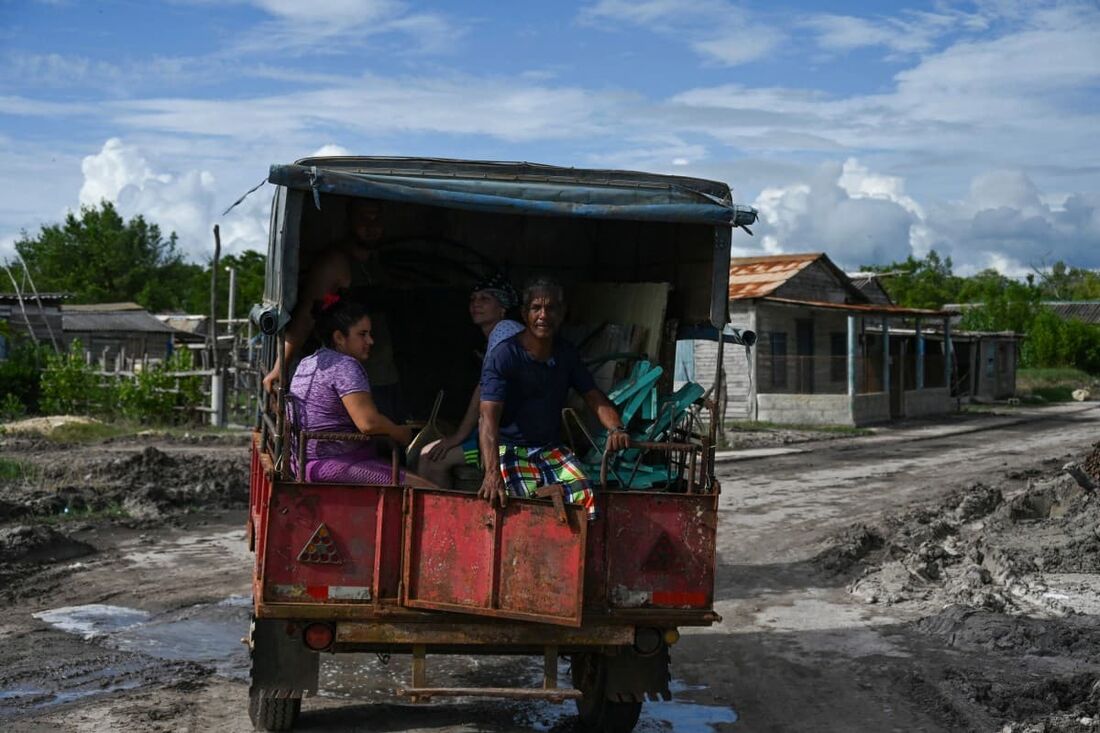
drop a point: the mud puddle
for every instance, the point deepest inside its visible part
(208, 634)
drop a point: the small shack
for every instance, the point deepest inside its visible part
(35, 317)
(108, 330)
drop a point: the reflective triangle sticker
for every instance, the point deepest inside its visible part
(663, 556)
(321, 548)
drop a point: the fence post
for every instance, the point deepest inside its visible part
(217, 399)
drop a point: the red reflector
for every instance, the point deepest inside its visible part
(318, 636)
(679, 598)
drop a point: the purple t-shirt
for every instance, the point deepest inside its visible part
(319, 383)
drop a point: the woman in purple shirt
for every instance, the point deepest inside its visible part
(332, 394)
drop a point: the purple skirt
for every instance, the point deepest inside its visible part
(361, 466)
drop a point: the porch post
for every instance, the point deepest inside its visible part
(947, 354)
(885, 355)
(920, 357)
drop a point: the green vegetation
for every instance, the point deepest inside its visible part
(11, 470)
(1007, 305)
(99, 257)
(153, 396)
(1053, 385)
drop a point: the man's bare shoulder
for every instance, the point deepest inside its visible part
(331, 270)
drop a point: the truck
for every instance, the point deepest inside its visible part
(394, 569)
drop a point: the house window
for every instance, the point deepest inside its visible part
(779, 359)
(838, 351)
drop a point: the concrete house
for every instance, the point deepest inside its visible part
(826, 352)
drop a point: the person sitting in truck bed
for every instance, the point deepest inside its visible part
(524, 383)
(333, 394)
(344, 264)
(490, 301)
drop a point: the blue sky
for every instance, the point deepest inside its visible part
(866, 132)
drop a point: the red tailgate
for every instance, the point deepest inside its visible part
(521, 562)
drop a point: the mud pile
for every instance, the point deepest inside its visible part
(24, 548)
(143, 485)
(976, 548)
(1005, 577)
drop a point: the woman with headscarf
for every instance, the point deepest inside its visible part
(490, 301)
(332, 394)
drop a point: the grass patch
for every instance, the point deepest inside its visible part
(89, 432)
(750, 426)
(1053, 385)
(17, 470)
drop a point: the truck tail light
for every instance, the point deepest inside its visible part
(318, 636)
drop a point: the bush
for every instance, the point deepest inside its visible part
(70, 386)
(20, 378)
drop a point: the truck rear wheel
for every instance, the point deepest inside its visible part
(274, 713)
(596, 712)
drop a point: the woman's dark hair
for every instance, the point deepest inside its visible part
(336, 312)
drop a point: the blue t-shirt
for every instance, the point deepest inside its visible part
(533, 392)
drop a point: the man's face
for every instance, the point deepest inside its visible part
(364, 218)
(543, 315)
(485, 308)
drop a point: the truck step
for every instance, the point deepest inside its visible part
(558, 694)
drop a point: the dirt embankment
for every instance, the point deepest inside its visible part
(60, 491)
(1015, 576)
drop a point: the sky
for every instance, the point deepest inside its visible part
(870, 131)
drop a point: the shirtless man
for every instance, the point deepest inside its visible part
(335, 269)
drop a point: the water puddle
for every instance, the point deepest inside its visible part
(209, 634)
(92, 620)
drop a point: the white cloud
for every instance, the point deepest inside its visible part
(719, 31)
(183, 202)
(325, 27)
(863, 223)
(861, 217)
(330, 150)
(909, 33)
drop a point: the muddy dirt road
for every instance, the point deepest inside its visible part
(917, 579)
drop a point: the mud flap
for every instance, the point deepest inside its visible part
(282, 665)
(632, 677)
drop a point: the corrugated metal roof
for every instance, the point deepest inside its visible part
(103, 307)
(1081, 310)
(868, 308)
(126, 321)
(755, 277)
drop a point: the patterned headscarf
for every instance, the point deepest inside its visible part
(498, 286)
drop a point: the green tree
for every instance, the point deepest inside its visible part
(925, 283)
(100, 258)
(1062, 282)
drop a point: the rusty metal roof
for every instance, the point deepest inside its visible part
(755, 277)
(867, 308)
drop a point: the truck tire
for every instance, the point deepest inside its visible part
(596, 713)
(274, 713)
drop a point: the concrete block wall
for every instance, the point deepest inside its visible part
(807, 409)
(933, 401)
(871, 408)
(778, 318)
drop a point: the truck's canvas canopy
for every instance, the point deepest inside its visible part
(520, 188)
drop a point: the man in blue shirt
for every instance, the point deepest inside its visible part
(524, 383)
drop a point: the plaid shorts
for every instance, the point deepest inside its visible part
(526, 469)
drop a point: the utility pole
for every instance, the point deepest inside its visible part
(217, 381)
